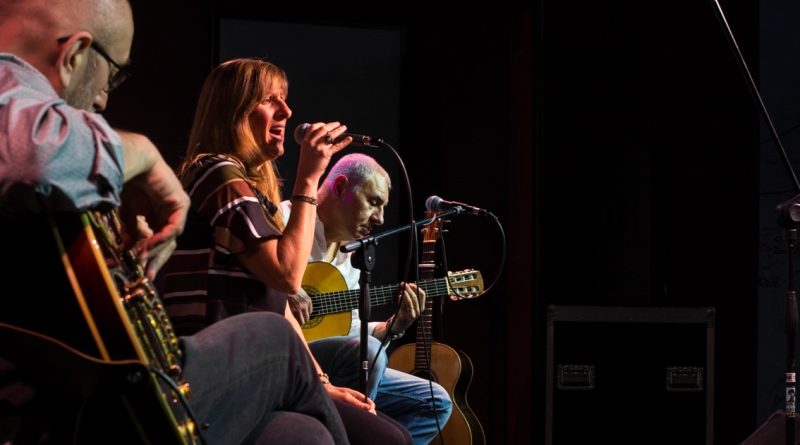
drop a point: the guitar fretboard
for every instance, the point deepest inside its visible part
(422, 352)
(343, 301)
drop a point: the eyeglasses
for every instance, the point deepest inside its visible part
(117, 73)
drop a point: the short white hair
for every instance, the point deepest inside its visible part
(357, 167)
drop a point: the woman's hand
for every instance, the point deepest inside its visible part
(351, 396)
(317, 146)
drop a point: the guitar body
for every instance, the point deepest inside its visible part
(114, 317)
(453, 370)
(321, 277)
(127, 321)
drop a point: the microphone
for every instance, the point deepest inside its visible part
(437, 204)
(360, 140)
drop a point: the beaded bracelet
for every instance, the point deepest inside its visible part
(305, 198)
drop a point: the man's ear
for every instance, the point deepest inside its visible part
(73, 56)
(340, 185)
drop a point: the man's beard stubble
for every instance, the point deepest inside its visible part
(82, 96)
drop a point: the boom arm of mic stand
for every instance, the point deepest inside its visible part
(756, 94)
(788, 212)
(789, 218)
(373, 239)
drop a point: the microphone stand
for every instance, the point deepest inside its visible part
(364, 259)
(788, 217)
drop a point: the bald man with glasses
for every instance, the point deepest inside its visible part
(117, 73)
(251, 378)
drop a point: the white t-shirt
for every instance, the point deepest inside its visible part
(341, 261)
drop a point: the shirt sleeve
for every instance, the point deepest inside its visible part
(54, 157)
(235, 212)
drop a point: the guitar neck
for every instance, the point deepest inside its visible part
(422, 352)
(343, 301)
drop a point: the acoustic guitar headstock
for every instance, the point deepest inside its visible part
(465, 284)
(432, 230)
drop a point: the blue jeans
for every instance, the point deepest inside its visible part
(401, 396)
(251, 378)
(246, 372)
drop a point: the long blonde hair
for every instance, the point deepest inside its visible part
(230, 93)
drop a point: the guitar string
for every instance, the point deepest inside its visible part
(331, 302)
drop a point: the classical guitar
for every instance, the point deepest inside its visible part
(127, 322)
(333, 302)
(438, 362)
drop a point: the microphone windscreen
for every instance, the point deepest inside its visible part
(300, 131)
(432, 203)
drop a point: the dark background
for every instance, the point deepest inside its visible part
(616, 142)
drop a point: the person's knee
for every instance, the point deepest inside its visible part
(293, 429)
(257, 324)
(373, 350)
(444, 404)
